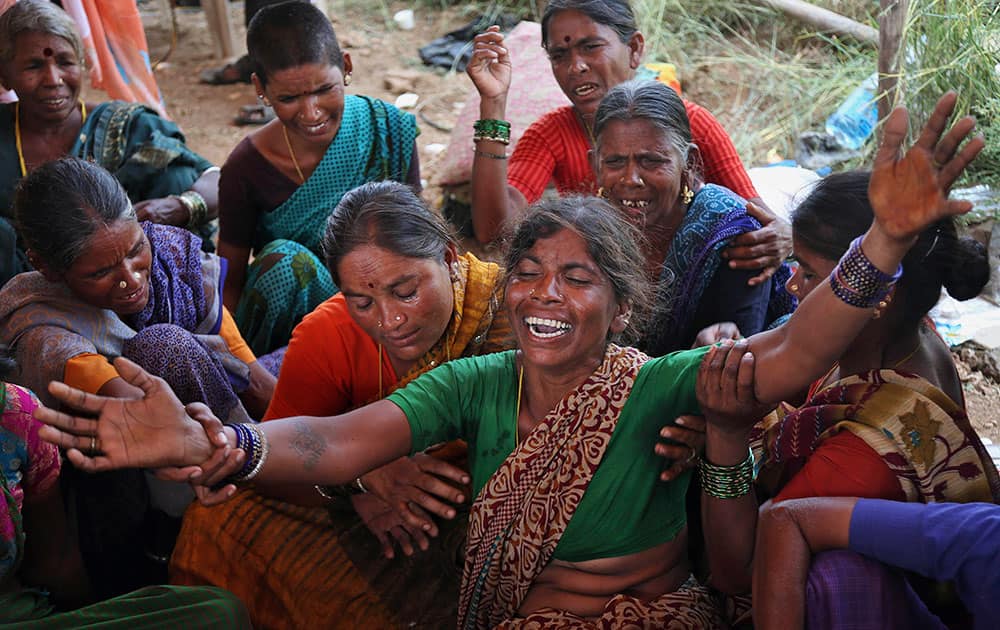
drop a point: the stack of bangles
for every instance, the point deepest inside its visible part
(253, 442)
(858, 282)
(491, 130)
(196, 207)
(726, 482)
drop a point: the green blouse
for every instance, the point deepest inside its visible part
(626, 509)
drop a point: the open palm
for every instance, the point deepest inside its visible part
(909, 191)
(148, 432)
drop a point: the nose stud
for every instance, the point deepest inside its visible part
(122, 284)
(531, 292)
(379, 323)
(399, 317)
(137, 275)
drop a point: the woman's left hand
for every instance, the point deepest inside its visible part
(908, 190)
(687, 435)
(165, 210)
(725, 388)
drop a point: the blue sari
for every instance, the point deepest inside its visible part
(715, 217)
(287, 279)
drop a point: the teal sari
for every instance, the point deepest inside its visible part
(144, 152)
(287, 278)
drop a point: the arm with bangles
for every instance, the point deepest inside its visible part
(908, 193)
(494, 201)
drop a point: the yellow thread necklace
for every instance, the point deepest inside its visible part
(17, 133)
(291, 154)
(517, 410)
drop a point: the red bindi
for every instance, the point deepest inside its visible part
(371, 285)
(48, 52)
(566, 39)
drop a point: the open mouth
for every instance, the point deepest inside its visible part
(635, 204)
(135, 295)
(585, 90)
(546, 328)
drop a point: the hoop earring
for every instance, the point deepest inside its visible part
(687, 196)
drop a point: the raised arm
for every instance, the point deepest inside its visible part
(908, 193)
(494, 202)
(156, 431)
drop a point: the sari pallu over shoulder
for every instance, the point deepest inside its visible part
(374, 143)
(522, 511)
(923, 436)
(716, 216)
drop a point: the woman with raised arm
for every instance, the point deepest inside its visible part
(593, 45)
(569, 522)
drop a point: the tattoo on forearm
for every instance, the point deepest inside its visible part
(309, 444)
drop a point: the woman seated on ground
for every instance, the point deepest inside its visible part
(280, 183)
(648, 167)
(557, 440)
(409, 302)
(887, 420)
(108, 286)
(41, 60)
(40, 567)
(594, 45)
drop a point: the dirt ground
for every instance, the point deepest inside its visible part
(378, 49)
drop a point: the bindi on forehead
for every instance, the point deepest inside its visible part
(567, 39)
(371, 285)
(48, 52)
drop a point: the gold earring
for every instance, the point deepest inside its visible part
(687, 195)
(122, 284)
(347, 79)
(794, 288)
(603, 194)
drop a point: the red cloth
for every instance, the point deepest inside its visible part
(331, 366)
(843, 466)
(555, 147)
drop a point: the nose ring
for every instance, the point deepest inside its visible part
(641, 183)
(531, 292)
(379, 323)
(122, 284)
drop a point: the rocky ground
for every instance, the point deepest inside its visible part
(386, 64)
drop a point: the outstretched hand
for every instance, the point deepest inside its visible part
(490, 67)
(908, 191)
(149, 432)
(422, 481)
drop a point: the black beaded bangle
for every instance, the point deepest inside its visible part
(726, 482)
(492, 156)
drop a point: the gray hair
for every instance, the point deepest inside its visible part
(653, 101)
(39, 16)
(61, 204)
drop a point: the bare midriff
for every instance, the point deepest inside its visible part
(583, 588)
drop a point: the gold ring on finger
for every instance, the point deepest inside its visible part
(93, 444)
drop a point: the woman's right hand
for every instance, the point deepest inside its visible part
(149, 432)
(411, 485)
(388, 526)
(490, 68)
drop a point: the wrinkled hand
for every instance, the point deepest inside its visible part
(388, 526)
(489, 68)
(205, 478)
(725, 388)
(716, 333)
(410, 483)
(165, 210)
(686, 443)
(149, 432)
(908, 191)
(763, 249)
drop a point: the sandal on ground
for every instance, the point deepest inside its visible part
(236, 72)
(256, 114)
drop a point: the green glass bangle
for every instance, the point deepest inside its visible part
(727, 482)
